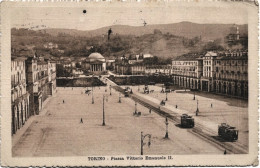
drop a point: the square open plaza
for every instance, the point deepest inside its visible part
(69, 101)
(71, 123)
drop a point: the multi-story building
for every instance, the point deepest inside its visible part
(230, 74)
(219, 72)
(187, 72)
(158, 69)
(208, 71)
(19, 94)
(41, 80)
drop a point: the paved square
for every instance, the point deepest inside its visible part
(58, 130)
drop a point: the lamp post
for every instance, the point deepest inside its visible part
(197, 111)
(103, 124)
(119, 101)
(135, 108)
(92, 96)
(166, 97)
(194, 96)
(142, 141)
(166, 123)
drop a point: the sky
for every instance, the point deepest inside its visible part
(98, 16)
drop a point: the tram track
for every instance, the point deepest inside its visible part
(199, 130)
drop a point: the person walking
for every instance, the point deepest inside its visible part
(81, 120)
(211, 105)
(176, 106)
(63, 101)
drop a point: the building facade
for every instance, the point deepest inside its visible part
(187, 72)
(32, 80)
(19, 94)
(223, 73)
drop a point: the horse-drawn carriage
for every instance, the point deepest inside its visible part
(127, 91)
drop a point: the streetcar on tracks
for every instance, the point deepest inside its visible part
(227, 132)
(187, 121)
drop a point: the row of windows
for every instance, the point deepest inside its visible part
(17, 78)
(17, 65)
(18, 93)
(185, 63)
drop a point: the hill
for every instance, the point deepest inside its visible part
(207, 32)
(165, 41)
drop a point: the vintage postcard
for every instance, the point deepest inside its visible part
(129, 83)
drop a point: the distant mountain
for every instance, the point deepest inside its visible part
(207, 32)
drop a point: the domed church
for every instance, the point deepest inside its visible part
(97, 63)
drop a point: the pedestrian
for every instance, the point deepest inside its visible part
(211, 105)
(176, 106)
(63, 101)
(150, 111)
(225, 152)
(81, 120)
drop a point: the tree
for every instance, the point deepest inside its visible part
(78, 65)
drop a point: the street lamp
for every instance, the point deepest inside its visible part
(92, 96)
(119, 101)
(142, 141)
(166, 123)
(197, 111)
(135, 108)
(103, 124)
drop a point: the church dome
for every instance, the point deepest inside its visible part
(95, 56)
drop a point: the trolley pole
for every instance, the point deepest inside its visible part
(103, 124)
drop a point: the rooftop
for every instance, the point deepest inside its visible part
(95, 56)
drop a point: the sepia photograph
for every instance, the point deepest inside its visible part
(130, 83)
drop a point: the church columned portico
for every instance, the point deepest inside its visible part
(96, 67)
